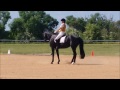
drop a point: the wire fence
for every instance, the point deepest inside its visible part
(42, 41)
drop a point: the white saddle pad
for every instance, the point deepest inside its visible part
(62, 40)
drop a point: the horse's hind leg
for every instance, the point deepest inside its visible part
(52, 55)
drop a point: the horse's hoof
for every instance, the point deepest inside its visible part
(51, 62)
(72, 63)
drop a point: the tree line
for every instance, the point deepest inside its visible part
(31, 24)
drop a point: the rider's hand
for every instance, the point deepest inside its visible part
(55, 31)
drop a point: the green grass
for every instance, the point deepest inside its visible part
(99, 49)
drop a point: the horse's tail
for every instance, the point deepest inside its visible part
(81, 47)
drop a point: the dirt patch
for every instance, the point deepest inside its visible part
(39, 67)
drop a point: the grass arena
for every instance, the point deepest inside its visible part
(32, 61)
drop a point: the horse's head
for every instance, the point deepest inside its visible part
(47, 35)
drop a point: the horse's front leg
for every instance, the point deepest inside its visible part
(52, 55)
(72, 59)
(57, 51)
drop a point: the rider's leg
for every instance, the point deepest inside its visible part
(59, 36)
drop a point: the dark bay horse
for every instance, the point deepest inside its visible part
(70, 40)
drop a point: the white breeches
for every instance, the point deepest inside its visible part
(59, 35)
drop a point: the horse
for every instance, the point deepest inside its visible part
(70, 41)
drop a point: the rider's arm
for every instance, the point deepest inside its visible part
(61, 26)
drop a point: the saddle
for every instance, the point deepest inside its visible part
(62, 39)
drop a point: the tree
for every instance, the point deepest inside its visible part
(105, 25)
(92, 32)
(104, 34)
(72, 31)
(70, 20)
(76, 23)
(4, 17)
(118, 24)
(114, 31)
(81, 23)
(118, 31)
(17, 28)
(99, 20)
(36, 25)
(33, 24)
(37, 21)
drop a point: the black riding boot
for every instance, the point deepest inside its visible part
(57, 43)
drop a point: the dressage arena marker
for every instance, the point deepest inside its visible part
(92, 53)
(8, 51)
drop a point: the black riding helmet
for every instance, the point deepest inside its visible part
(63, 19)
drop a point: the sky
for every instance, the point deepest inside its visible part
(62, 14)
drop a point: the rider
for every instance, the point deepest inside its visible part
(61, 30)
